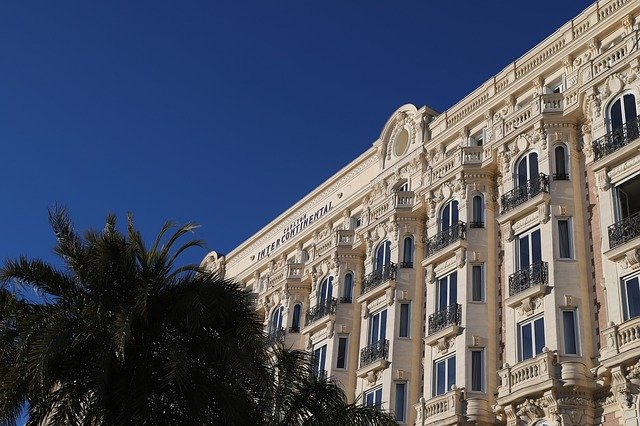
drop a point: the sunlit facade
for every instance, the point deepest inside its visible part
(479, 265)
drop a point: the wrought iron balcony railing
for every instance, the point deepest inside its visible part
(293, 329)
(523, 193)
(379, 276)
(406, 265)
(616, 139)
(346, 299)
(322, 309)
(624, 230)
(451, 315)
(275, 336)
(447, 237)
(476, 224)
(534, 274)
(373, 352)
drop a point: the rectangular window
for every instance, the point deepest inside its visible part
(319, 357)
(564, 239)
(531, 338)
(404, 320)
(447, 291)
(444, 375)
(529, 248)
(477, 283)
(342, 353)
(378, 327)
(401, 402)
(373, 398)
(630, 297)
(570, 329)
(477, 370)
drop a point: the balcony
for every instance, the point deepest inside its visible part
(374, 352)
(321, 310)
(445, 238)
(616, 139)
(622, 342)
(443, 409)
(530, 376)
(374, 279)
(451, 315)
(523, 193)
(275, 337)
(404, 199)
(625, 230)
(528, 277)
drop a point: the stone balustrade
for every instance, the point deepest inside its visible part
(528, 373)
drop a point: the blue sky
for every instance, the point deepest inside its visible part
(224, 113)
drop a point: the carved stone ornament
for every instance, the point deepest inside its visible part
(602, 180)
(445, 344)
(529, 410)
(373, 376)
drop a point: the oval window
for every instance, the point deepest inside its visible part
(402, 142)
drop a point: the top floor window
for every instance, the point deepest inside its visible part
(622, 110)
(383, 255)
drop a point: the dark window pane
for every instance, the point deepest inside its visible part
(629, 108)
(342, 352)
(408, 250)
(539, 330)
(375, 328)
(295, 323)
(348, 285)
(443, 295)
(563, 239)
(400, 408)
(446, 217)
(454, 212)
(383, 325)
(560, 160)
(533, 165)
(440, 378)
(536, 247)
(523, 175)
(633, 298)
(570, 341)
(451, 373)
(378, 398)
(404, 320)
(477, 209)
(369, 399)
(476, 283)
(476, 371)
(616, 115)
(523, 249)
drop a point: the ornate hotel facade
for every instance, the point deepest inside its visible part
(479, 265)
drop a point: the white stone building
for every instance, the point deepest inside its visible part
(479, 265)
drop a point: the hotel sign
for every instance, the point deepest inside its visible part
(293, 229)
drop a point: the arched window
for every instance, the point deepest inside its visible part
(562, 169)
(304, 256)
(383, 255)
(326, 290)
(527, 169)
(348, 288)
(407, 253)
(449, 215)
(295, 322)
(275, 323)
(477, 206)
(622, 111)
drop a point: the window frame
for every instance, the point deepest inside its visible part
(482, 283)
(576, 332)
(528, 156)
(344, 338)
(623, 112)
(531, 258)
(294, 328)
(347, 287)
(407, 259)
(453, 214)
(381, 261)
(570, 247)
(447, 370)
(381, 333)
(449, 286)
(276, 324)
(325, 289)
(534, 338)
(376, 394)
(624, 295)
(483, 379)
(320, 364)
(408, 321)
(561, 175)
(477, 213)
(404, 386)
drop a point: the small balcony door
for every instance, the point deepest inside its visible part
(383, 255)
(449, 215)
(527, 169)
(378, 327)
(447, 291)
(529, 249)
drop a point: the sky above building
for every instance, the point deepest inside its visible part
(223, 113)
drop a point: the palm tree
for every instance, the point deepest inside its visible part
(126, 337)
(299, 395)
